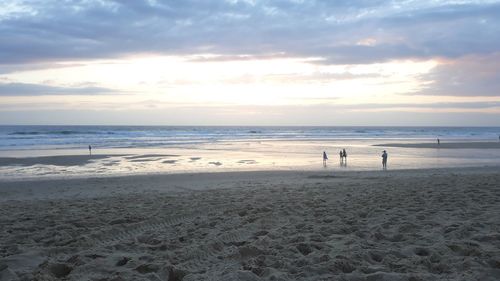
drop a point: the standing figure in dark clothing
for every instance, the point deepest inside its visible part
(384, 160)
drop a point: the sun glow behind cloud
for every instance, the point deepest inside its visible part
(290, 58)
(180, 80)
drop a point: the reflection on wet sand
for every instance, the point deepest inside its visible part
(244, 156)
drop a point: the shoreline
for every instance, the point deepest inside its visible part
(255, 156)
(343, 141)
(223, 172)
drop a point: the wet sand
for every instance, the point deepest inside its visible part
(439, 224)
(446, 145)
(58, 160)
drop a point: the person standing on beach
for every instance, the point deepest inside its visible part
(90, 150)
(384, 159)
(325, 157)
(341, 157)
(439, 141)
(344, 154)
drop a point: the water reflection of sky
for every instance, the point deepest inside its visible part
(248, 156)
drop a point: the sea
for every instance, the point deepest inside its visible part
(74, 137)
(181, 149)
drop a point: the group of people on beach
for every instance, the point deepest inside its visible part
(342, 154)
(343, 158)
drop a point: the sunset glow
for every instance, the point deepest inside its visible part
(372, 70)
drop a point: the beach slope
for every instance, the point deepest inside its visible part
(394, 225)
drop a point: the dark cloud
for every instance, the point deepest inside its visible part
(24, 89)
(10, 68)
(54, 30)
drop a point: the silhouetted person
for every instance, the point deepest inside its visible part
(341, 156)
(344, 154)
(439, 141)
(90, 150)
(384, 159)
(325, 157)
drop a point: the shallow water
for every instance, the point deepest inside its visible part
(225, 156)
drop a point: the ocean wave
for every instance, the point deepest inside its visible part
(25, 133)
(70, 133)
(64, 132)
(136, 137)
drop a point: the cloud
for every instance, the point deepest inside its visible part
(329, 104)
(468, 76)
(52, 30)
(12, 68)
(25, 89)
(436, 105)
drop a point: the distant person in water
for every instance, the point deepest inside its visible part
(90, 150)
(439, 141)
(325, 157)
(384, 159)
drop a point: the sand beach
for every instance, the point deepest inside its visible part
(253, 210)
(439, 224)
(246, 140)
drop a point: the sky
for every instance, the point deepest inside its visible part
(250, 62)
